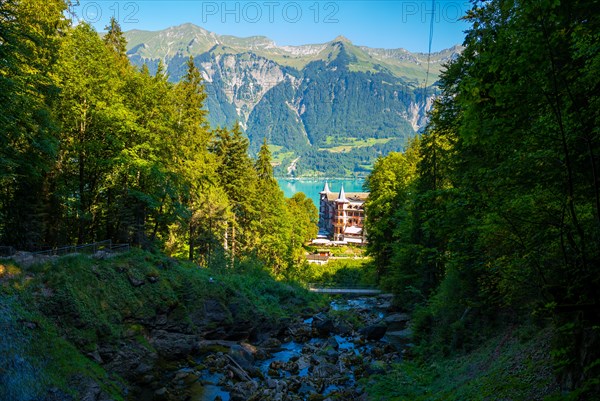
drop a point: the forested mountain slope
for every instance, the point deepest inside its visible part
(336, 105)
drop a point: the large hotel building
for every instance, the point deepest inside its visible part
(342, 215)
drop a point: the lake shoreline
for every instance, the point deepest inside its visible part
(307, 178)
(312, 187)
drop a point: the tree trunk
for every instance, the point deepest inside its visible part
(191, 243)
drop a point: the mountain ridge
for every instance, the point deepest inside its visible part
(335, 101)
(193, 33)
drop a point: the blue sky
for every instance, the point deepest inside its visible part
(387, 24)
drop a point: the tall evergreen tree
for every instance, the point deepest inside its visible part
(193, 162)
(271, 226)
(142, 201)
(115, 40)
(263, 166)
(238, 178)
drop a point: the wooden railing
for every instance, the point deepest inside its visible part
(7, 251)
(92, 248)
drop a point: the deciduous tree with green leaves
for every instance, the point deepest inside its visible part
(504, 214)
(30, 34)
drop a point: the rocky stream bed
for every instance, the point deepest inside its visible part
(318, 357)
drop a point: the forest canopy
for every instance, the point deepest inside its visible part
(493, 216)
(93, 148)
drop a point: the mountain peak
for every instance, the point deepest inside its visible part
(187, 26)
(342, 38)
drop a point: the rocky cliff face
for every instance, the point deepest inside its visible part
(243, 79)
(303, 99)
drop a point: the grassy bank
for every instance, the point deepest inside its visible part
(340, 272)
(514, 365)
(59, 313)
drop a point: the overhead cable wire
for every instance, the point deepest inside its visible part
(429, 50)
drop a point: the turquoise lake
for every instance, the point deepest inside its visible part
(311, 186)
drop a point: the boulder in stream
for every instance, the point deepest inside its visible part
(173, 345)
(374, 332)
(324, 327)
(400, 338)
(271, 343)
(397, 321)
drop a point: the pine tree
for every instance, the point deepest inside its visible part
(115, 40)
(263, 166)
(193, 163)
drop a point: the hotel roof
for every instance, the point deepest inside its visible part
(350, 196)
(344, 196)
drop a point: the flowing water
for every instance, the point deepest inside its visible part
(296, 361)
